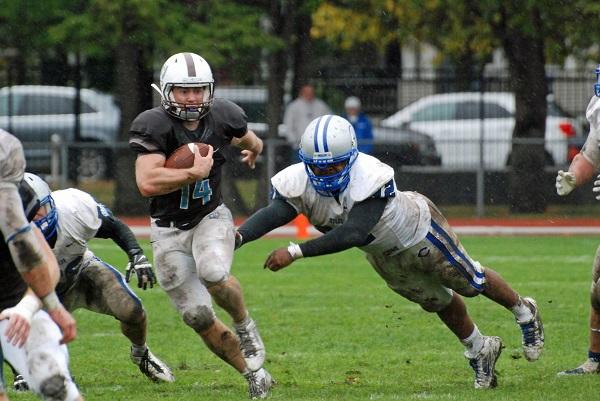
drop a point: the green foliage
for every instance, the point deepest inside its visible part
(334, 331)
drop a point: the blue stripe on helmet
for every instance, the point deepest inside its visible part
(316, 136)
(325, 133)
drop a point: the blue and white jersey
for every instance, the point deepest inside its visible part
(78, 222)
(406, 217)
(591, 150)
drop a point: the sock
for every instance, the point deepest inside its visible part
(138, 350)
(594, 356)
(244, 322)
(473, 343)
(522, 312)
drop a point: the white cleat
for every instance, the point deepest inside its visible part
(587, 368)
(533, 332)
(155, 369)
(484, 364)
(251, 345)
(259, 384)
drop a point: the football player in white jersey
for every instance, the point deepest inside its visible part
(352, 198)
(582, 169)
(29, 338)
(68, 219)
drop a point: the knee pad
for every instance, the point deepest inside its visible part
(54, 388)
(199, 318)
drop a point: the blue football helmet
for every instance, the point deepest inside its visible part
(597, 84)
(48, 223)
(328, 140)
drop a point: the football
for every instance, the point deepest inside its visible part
(183, 156)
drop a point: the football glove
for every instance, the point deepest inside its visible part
(143, 269)
(566, 182)
(596, 188)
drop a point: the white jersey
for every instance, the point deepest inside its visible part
(78, 222)
(590, 149)
(405, 220)
(12, 159)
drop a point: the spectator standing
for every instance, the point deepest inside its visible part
(299, 113)
(361, 123)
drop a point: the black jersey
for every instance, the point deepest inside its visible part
(155, 131)
(12, 286)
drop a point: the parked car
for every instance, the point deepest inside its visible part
(394, 146)
(453, 120)
(36, 112)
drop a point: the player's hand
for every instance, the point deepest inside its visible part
(143, 270)
(238, 240)
(65, 321)
(278, 259)
(202, 164)
(596, 188)
(249, 157)
(19, 325)
(566, 182)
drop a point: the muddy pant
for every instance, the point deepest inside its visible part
(428, 272)
(187, 261)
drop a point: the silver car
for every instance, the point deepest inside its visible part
(36, 112)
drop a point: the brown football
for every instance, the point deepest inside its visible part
(183, 156)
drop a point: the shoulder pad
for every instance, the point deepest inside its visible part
(367, 176)
(593, 112)
(152, 122)
(291, 182)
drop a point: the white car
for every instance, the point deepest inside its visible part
(36, 112)
(454, 122)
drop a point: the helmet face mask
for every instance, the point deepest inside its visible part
(48, 223)
(328, 150)
(186, 70)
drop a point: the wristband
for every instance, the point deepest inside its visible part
(51, 301)
(295, 251)
(30, 304)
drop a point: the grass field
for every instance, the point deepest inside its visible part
(334, 331)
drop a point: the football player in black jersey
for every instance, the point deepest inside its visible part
(192, 230)
(29, 339)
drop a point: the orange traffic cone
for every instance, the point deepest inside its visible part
(301, 223)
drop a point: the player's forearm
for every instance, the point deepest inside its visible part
(583, 170)
(276, 214)
(250, 141)
(161, 181)
(42, 273)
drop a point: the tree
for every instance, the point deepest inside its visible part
(530, 33)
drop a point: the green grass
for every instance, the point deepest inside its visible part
(334, 331)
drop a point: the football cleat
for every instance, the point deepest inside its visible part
(251, 345)
(587, 368)
(19, 383)
(259, 383)
(533, 332)
(484, 363)
(155, 369)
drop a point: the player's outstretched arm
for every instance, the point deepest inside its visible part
(580, 171)
(278, 213)
(113, 228)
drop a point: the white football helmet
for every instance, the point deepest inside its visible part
(186, 70)
(328, 140)
(48, 223)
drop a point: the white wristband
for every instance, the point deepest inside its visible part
(28, 305)
(295, 251)
(51, 301)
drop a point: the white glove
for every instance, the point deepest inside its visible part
(565, 183)
(596, 188)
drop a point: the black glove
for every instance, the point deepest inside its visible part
(143, 270)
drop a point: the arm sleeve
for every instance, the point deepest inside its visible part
(278, 213)
(116, 230)
(354, 232)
